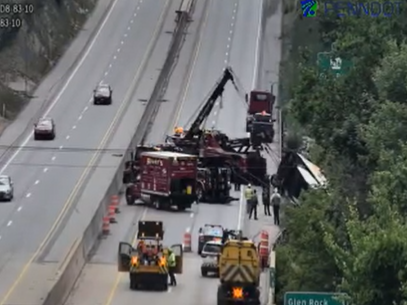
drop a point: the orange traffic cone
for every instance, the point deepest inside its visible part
(111, 214)
(115, 201)
(106, 226)
(187, 242)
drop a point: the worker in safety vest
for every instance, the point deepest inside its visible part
(249, 194)
(171, 267)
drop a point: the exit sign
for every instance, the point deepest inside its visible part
(313, 298)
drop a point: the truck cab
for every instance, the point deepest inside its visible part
(259, 121)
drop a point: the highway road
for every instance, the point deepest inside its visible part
(224, 39)
(48, 175)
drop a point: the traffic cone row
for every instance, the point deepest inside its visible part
(112, 210)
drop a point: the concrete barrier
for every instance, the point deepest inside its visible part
(272, 279)
(76, 259)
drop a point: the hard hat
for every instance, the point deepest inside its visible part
(249, 185)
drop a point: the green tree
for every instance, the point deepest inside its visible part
(373, 261)
(303, 263)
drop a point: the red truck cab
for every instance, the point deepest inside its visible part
(168, 179)
(260, 101)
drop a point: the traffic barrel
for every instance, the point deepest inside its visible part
(264, 248)
(112, 214)
(106, 226)
(115, 201)
(187, 242)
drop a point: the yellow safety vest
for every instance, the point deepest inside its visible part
(248, 193)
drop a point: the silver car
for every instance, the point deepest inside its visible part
(210, 254)
(6, 188)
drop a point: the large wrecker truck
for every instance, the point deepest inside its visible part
(221, 160)
(163, 179)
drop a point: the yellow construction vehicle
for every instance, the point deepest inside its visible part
(146, 263)
(239, 273)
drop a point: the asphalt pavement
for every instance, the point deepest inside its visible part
(48, 175)
(225, 40)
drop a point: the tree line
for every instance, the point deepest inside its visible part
(352, 236)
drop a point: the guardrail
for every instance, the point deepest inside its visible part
(76, 259)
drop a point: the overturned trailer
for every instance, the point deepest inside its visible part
(295, 174)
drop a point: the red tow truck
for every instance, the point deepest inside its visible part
(259, 121)
(164, 179)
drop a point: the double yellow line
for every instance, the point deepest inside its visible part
(70, 201)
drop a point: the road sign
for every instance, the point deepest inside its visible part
(336, 65)
(313, 298)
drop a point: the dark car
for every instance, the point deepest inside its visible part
(102, 95)
(209, 233)
(44, 129)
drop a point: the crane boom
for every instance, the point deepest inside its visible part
(228, 75)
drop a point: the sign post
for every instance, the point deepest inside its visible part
(314, 298)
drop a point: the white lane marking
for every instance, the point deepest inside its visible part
(121, 42)
(241, 203)
(114, 57)
(257, 50)
(80, 117)
(131, 21)
(128, 28)
(110, 66)
(60, 147)
(67, 137)
(28, 195)
(227, 54)
(233, 17)
(53, 158)
(9, 223)
(106, 73)
(228, 46)
(74, 127)
(215, 113)
(138, 7)
(169, 290)
(235, 3)
(188, 230)
(125, 35)
(213, 122)
(226, 61)
(45, 170)
(118, 50)
(68, 81)
(36, 182)
(191, 215)
(229, 39)
(19, 209)
(86, 108)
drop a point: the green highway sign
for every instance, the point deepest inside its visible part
(313, 298)
(336, 65)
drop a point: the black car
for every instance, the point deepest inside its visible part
(102, 95)
(209, 233)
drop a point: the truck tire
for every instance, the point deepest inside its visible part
(204, 272)
(130, 199)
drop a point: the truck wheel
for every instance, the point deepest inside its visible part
(157, 204)
(204, 272)
(129, 199)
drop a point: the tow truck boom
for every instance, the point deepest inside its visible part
(195, 128)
